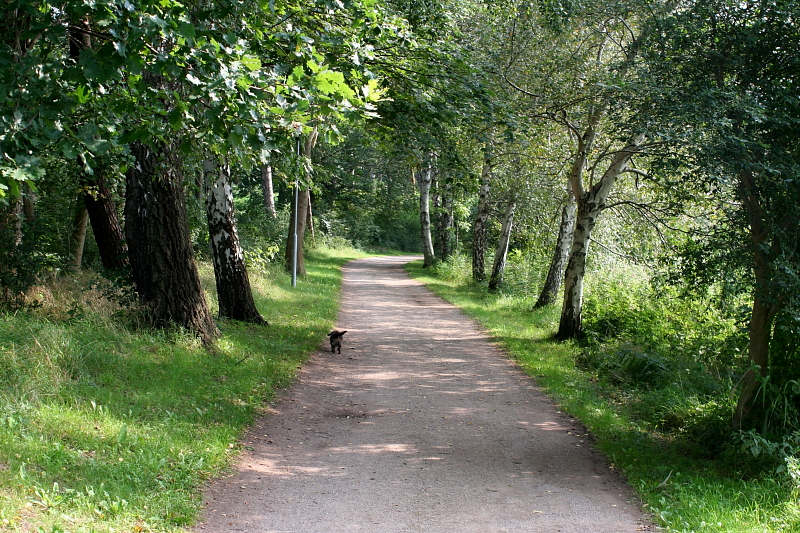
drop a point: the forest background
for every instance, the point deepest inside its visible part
(621, 175)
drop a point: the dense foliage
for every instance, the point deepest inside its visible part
(645, 152)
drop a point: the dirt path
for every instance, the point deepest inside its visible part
(420, 425)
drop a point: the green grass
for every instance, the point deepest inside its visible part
(680, 492)
(108, 428)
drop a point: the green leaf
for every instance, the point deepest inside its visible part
(251, 63)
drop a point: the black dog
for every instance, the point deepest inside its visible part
(336, 340)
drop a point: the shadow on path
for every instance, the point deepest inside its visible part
(420, 425)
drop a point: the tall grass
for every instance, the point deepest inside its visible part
(108, 428)
(684, 491)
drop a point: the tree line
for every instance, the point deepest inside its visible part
(667, 127)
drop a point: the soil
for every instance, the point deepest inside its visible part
(421, 424)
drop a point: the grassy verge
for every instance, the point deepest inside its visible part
(681, 493)
(106, 428)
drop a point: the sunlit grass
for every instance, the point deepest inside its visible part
(681, 493)
(107, 428)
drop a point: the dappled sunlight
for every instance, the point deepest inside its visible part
(551, 426)
(419, 417)
(376, 448)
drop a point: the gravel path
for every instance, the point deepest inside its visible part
(420, 425)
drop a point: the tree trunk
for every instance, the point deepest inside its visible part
(555, 274)
(447, 224)
(161, 257)
(29, 203)
(268, 190)
(502, 246)
(105, 224)
(233, 285)
(590, 205)
(98, 199)
(424, 184)
(765, 306)
(10, 239)
(78, 238)
(310, 220)
(15, 218)
(300, 216)
(481, 217)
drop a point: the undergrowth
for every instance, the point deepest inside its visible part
(652, 382)
(105, 426)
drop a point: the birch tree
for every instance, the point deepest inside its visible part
(424, 180)
(230, 272)
(479, 229)
(587, 59)
(555, 273)
(507, 224)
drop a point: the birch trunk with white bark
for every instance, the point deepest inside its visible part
(481, 217)
(268, 190)
(590, 204)
(499, 266)
(234, 294)
(555, 274)
(424, 183)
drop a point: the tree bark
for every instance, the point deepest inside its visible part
(481, 217)
(424, 183)
(499, 266)
(105, 224)
(80, 221)
(555, 273)
(310, 220)
(268, 190)
(301, 216)
(29, 204)
(446, 222)
(589, 206)
(765, 306)
(233, 285)
(100, 205)
(161, 257)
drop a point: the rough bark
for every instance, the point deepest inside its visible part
(589, 206)
(498, 269)
(107, 230)
(161, 257)
(80, 222)
(268, 190)
(424, 183)
(233, 285)
(555, 273)
(481, 217)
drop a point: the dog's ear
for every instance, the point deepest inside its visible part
(343, 332)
